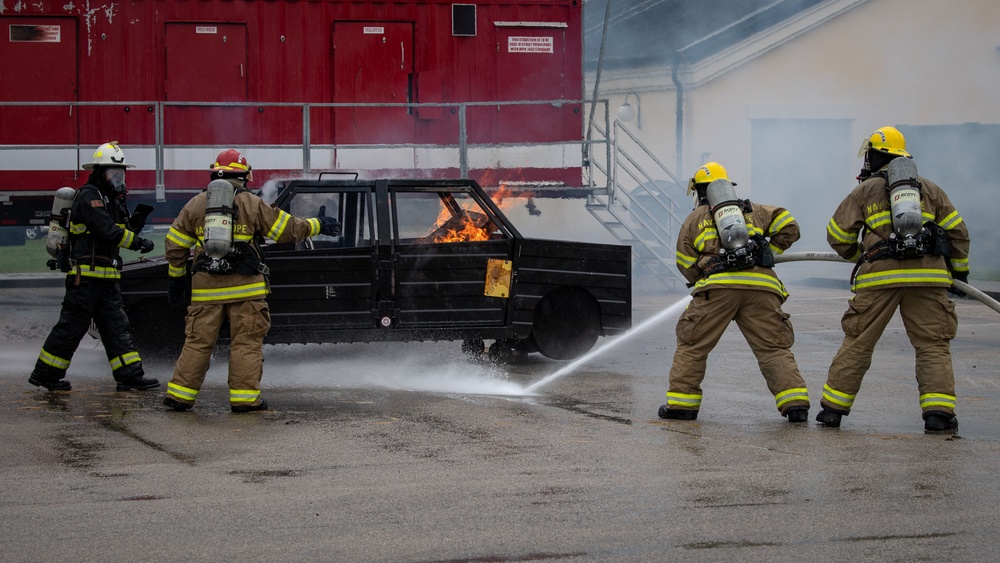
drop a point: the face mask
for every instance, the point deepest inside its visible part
(116, 179)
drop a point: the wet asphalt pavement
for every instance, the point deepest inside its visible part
(412, 452)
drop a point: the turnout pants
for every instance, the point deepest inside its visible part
(249, 322)
(767, 330)
(930, 321)
(101, 301)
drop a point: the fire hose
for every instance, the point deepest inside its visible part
(833, 257)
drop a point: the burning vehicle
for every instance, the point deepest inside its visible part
(416, 260)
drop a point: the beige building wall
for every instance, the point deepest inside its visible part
(916, 62)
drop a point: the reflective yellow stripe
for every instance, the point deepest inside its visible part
(98, 272)
(180, 239)
(937, 400)
(685, 260)
(124, 360)
(705, 236)
(780, 221)
(279, 226)
(960, 264)
(314, 226)
(258, 289)
(128, 237)
(840, 398)
(880, 219)
(951, 221)
(794, 394)
(838, 234)
(54, 361)
(683, 399)
(177, 271)
(743, 278)
(243, 395)
(921, 276)
(180, 392)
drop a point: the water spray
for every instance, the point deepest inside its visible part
(655, 319)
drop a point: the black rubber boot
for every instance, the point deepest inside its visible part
(797, 414)
(261, 406)
(138, 383)
(676, 414)
(939, 421)
(829, 418)
(176, 405)
(50, 384)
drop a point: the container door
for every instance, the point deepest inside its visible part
(38, 64)
(205, 63)
(373, 63)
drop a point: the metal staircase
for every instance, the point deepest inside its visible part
(646, 217)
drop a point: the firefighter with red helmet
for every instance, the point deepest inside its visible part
(99, 226)
(909, 243)
(221, 229)
(725, 249)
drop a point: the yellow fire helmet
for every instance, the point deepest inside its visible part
(706, 174)
(885, 139)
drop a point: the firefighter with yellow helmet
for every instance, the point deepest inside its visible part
(97, 226)
(726, 249)
(221, 229)
(909, 242)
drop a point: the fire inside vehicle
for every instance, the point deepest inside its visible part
(489, 90)
(416, 260)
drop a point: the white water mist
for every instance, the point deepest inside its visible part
(655, 319)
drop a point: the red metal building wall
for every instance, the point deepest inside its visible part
(162, 50)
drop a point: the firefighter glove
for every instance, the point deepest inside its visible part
(962, 277)
(715, 265)
(178, 291)
(328, 226)
(137, 222)
(145, 246)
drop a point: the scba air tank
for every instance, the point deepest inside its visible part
(219, 217)
(904, 197)
(728, 214)
(58, 235)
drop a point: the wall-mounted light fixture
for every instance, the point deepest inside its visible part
(627, 113)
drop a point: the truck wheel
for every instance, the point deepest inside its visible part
(567, 323)
(500, 352)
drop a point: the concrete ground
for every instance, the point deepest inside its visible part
(412, 452)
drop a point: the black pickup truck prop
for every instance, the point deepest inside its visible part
(417, 260)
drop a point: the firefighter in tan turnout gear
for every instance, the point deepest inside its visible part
(224, 225)
(726, 249)
(909, 242)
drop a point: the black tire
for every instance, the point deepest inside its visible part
(567, 323)
(500, 352)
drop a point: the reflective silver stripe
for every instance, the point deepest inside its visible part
(243, 395)
(54, 361)
(124, 360)
(789, 395)
(937, 400)
(181, 392)
(258, 289)
(840, 398)
(683, 399)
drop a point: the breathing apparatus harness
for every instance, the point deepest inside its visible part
(221, 255)
(739, 251)
(911, 237)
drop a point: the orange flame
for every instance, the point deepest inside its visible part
(471, 225)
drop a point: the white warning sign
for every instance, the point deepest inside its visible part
(529, 44)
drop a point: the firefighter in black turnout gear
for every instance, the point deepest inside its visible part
(99, 224)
